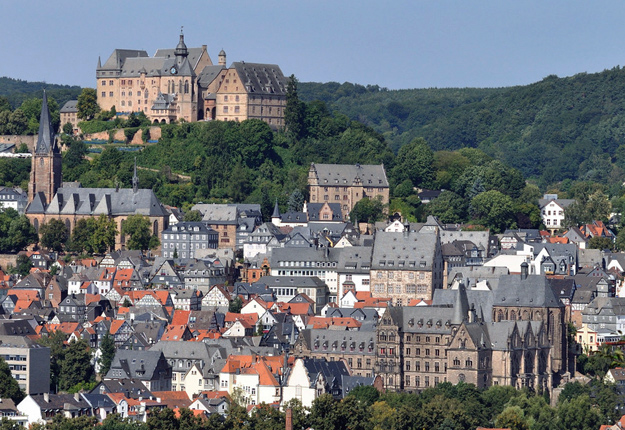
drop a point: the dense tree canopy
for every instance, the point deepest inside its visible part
(54, 235)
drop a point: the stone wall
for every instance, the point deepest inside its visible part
(7, 260)
(155, 134)
(19, 139)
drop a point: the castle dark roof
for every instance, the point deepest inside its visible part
(261, 79)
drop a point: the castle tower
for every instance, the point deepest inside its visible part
(181, 52)
(222, 58)
(45, 174)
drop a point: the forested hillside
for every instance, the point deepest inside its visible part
(17, 91)
(552, 130)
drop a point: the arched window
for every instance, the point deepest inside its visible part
(36, 225)
(186, 87)
(155, 228)
(68, 225)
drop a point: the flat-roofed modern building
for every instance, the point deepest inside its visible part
(29, 363)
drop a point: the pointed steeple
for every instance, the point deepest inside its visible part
(276, 210)
(135, 179)
(45, 139)
(99, 63)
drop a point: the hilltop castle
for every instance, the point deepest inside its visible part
(183, 84)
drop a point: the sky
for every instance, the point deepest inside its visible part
(395, 44)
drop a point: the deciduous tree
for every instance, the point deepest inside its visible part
(87, 104)
(137, 228)
(54, 235)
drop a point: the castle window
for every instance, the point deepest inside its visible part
(236, 98)
(103, 93)
(111, 83)
(111, 94)
(104, 83)
(225, 109)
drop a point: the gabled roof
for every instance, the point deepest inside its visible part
(350, 174)
(260, 79)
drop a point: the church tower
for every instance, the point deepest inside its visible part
(45, 173)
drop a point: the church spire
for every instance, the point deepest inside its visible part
(135, 179)
(45, 139)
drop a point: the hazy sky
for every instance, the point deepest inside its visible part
(396, 44)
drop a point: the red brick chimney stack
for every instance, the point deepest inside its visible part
(289, 420)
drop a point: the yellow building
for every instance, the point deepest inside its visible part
(182, 84)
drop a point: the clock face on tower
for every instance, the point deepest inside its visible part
(173, 70)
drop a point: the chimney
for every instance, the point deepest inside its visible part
(46, 397)
(289, 420)
(77, 397)
(524, 270)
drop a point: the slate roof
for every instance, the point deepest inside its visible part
(119, 56)
(139, 365)
(563, 203)
(60, 402)
(403, 251)
(46, 137)
(291, 281)
(294, 217)
(193, 54)
(208, 75)
(369, 175)
(70, 106)
(131, 388)
(332, 371)
(329, 339)
(103, 201)
(563, 288)
(260, 79)
(314, 208)
(534, 291)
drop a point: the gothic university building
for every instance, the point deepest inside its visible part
(50, 198)
(514, 334)
(183, 84)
